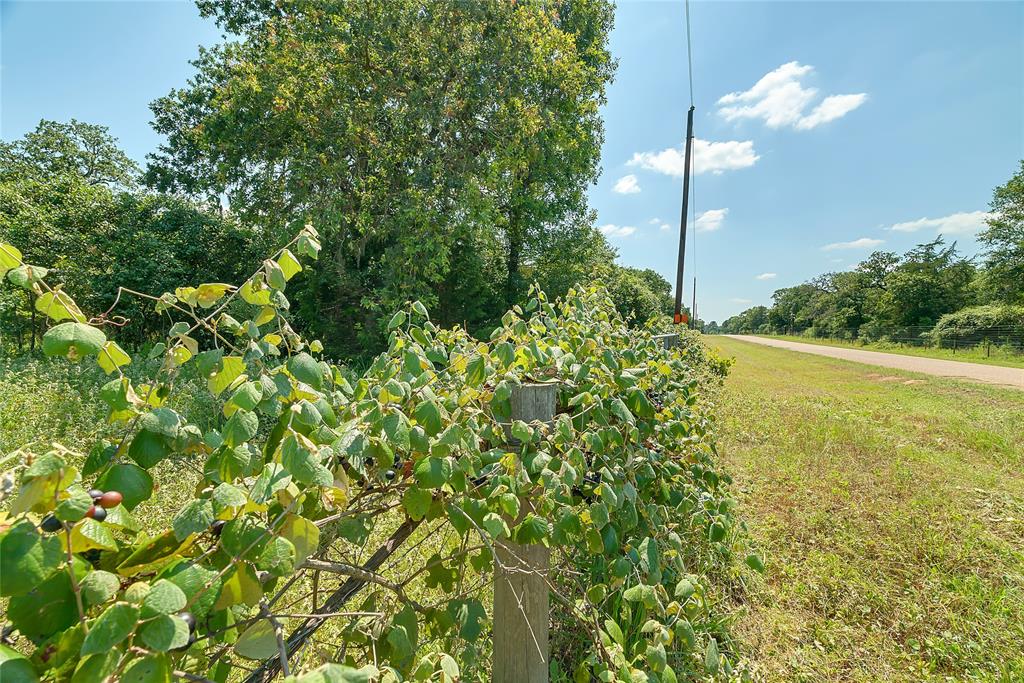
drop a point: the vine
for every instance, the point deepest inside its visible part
(268, 567)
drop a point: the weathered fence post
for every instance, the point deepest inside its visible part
(669, 341)
(521, 609)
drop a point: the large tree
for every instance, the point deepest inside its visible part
(1003, 278)
(434, 143)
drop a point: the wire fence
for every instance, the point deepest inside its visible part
(1003, 339)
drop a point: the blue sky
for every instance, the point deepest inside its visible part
(843, 120)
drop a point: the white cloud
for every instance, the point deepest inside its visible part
(664, 227)
(612, 230)
(862, 243)
(766, 276)
(708, 157)
(963, 223)
(831, 108)
(627, 184)
(741, 301)
(780, 99)
(654, 221)
(711, 220)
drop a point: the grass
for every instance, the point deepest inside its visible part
(998, 355)
(891, 513)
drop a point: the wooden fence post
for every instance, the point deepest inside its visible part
(669, 341)
(521, 600)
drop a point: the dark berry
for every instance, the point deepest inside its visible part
(97, 513)
(217, 527)
(188, 619)
(50, 524)
(110, 499)
(95, 494)
(389, 475)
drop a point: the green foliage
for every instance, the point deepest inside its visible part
(1003, 277)
(68, 199)
(298, 457)
(441, 147)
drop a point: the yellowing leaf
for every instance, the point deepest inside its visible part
(10, 257)
(289, 264)
(257, 295)
(59, 306)
(241, 586)
(209, 294)
(273, 339)
(266, 314)
(112, 357)
(189, 295)
(232, 368)
(303, 534)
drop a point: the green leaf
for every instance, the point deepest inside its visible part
(278, 557)
(303, 464)
(133, 482)
(257, 642)
(432, 473)
(396, 427)
(115, 624)
(619, 410)
(272, 479)
(164, 633)
(428, 416)
(46, 609)
(476, 371)
(755, 563)
(244, 537)
(614, 631)
(99, 586)
(306, 369)
(711, 660)
(533, 529)
(227, 497)
(149, 669)
(201, 586)
(14, 666)
(163, 598)
(242, 426)
(96, 667)
(469, 615)
(27, 558)
(73, 340)
(194, 518)
(148, 448)
(416, 502)
(25, 276)
(397, 320)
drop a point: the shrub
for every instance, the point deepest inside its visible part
(290, 469)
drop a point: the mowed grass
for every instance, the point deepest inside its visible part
(890, 509)
(996, 355)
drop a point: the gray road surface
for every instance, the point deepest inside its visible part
(991, 374)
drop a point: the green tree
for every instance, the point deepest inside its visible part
(1003, 277)
(68, 198)
(434, 143)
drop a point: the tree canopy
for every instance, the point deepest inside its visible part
(440, 145)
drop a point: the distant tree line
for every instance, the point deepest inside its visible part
(443, 150)
(931, 290)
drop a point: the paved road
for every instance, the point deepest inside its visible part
(991, 374)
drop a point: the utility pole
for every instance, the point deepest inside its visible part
(693, 308)
(677, 317)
